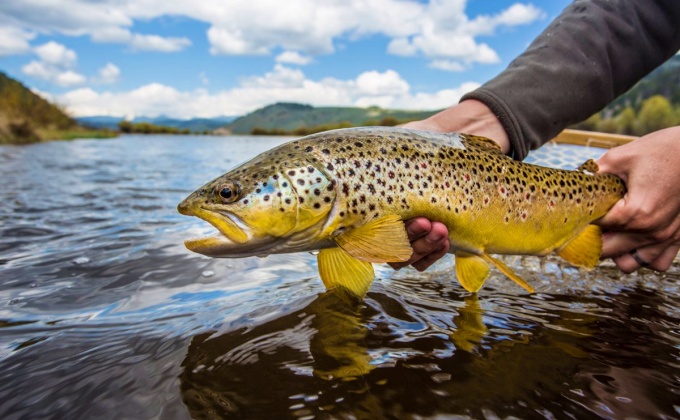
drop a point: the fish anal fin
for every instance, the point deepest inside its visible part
(589, 167)
(585, 249)
(380, 240)
(339, 269)
(508, 272)
(471, 271)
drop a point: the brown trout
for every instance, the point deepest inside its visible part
(346, 193)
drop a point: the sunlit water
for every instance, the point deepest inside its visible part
(104, 313)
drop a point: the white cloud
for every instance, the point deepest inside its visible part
(293, 57)
(56, 65)
(436, 30)
(56, 54)
(157, 43)
(108, 74)
(448, 65)
(387, 89)
(14, 40)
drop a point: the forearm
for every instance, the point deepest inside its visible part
(469, 117)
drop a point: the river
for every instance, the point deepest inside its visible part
(105, 314)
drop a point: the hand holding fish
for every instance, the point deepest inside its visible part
(647, 219)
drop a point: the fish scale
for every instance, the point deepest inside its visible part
(348, 191)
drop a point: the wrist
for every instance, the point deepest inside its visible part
(470, 117)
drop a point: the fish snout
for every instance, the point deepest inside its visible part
(185, 208)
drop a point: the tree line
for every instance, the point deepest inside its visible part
(654, 113)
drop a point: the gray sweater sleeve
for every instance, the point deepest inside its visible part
(590, 54)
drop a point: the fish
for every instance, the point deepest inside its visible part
(345, 194)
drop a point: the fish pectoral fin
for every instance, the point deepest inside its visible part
(589, 166)
(508, 272)
(471, 270)
(585, 249)
(380, 240)
(339, 269)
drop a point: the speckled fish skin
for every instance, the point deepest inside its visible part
(299, 195)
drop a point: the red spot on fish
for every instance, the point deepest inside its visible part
(467, 177)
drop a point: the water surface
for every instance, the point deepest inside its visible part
(104, 313)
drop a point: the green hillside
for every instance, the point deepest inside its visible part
(27, 118)
(291, 118)
(650, 105)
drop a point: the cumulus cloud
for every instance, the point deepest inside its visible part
(293, 57)
(436, 30)
(387, 89)
(158, 43)
(55, 64)
(108, 74)
(14, 40)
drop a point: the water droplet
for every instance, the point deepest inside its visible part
(207, 273)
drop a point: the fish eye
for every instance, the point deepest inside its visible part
(227, 192)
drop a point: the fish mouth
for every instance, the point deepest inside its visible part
(232, 232)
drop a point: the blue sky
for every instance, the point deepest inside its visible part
(208, 58)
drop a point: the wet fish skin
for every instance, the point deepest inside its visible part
(346, 192)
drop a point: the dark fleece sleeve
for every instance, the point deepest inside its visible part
(590, 54)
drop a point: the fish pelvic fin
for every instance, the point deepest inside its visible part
(471, 270)
(380, 240)
(585, 249)
(337, 268)
(588, 167)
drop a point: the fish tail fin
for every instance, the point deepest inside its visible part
(339, 269)
(508, 272)
(585, 249)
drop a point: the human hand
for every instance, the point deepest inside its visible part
(647, 219)
(429, 240)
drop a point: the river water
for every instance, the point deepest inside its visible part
(105, 314)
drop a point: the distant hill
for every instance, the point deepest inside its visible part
(288, 117)
(195, 124)
(652, 104)
(23, 113)
(664, 81)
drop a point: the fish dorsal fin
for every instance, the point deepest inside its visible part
(471, 271)
(380, 240)
(339, 269)
(588, 167)
(585, 249)
(508, 272)
(484, 142)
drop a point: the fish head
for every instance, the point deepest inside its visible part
(276, 203)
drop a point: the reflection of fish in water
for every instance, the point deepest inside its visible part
(242, 371)
(347, 191)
